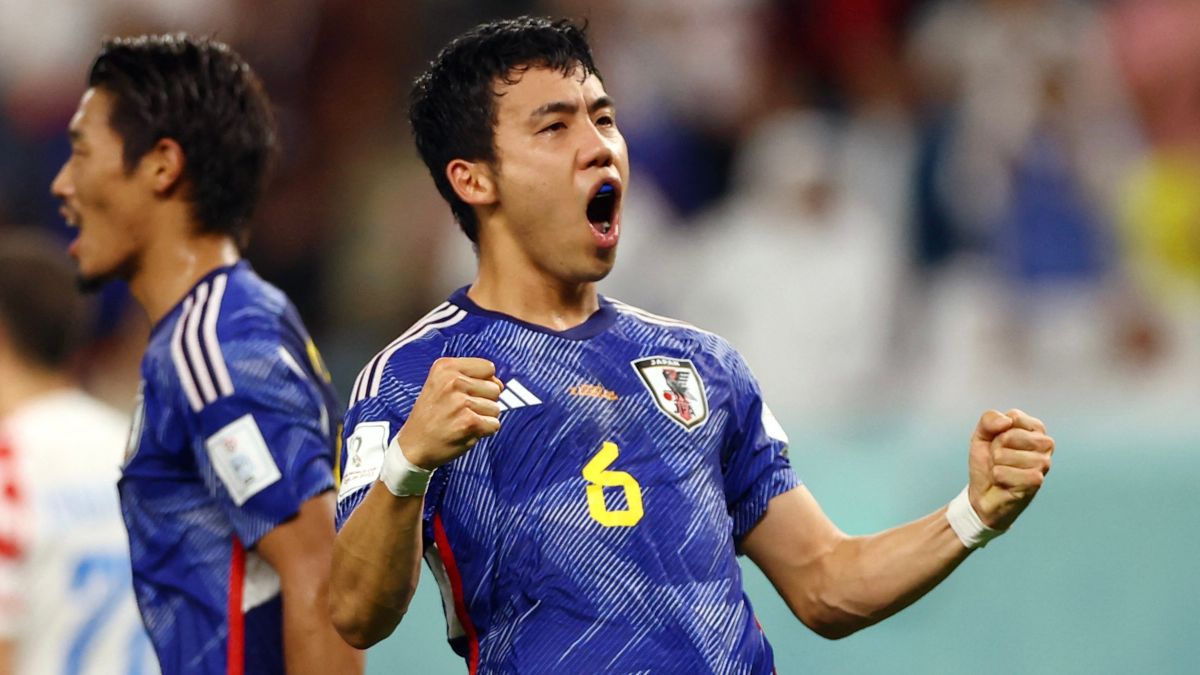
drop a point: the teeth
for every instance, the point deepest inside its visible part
(605, 227)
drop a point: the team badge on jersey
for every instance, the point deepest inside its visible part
(676, 388)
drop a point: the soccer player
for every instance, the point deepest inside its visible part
(66, 603)
(227, 489)
(579, 474)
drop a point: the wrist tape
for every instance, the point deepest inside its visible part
(400, 476)
(966, 523)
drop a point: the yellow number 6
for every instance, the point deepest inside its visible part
(596, 472)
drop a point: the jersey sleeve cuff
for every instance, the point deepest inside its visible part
(747, 512)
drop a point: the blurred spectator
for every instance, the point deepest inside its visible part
(688, 77)
(1042, 154)
(66, 598)
(1157, 43)
(1013, 220)
(797, 273)
(1158, 47)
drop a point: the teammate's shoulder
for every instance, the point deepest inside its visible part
(249, 303)
(408, 357)
(228, 304)
(230, 317)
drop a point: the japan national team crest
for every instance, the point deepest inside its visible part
(676, 388)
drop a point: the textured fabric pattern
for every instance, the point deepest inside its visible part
(596, 531)
(232, 348)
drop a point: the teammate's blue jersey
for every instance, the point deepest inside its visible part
(236, 428)
(596, 531)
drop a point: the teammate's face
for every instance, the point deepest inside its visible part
(558, 147)
(98, 196)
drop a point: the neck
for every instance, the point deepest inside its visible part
(20, 385)
(509, 283)
(169, 268)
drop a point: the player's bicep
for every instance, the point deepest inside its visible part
(300, 549)
(264, 449)
(791, 540)
(757, 469)
(262, 465)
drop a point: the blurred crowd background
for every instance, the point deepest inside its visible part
(901, 211)
(883, 203)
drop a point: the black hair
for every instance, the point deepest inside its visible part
(201, 94)
(452, 106)
(42, 314)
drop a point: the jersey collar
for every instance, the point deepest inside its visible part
(597, 323)
(166, 319)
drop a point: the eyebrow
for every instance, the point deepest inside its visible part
(568, 107)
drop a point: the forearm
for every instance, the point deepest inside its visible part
(7, 667)
(376, 565)
(863, 580)
(837, 584)
(310, 643)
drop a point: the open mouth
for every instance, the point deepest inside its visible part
(603, 208)
(69, 216)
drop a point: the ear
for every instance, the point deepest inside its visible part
(164, 165)
(472, 182)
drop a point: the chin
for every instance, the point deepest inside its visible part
(91, 280)
(91, 283)
(596, 275)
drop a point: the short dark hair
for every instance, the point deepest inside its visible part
(204, 96)
(41, 310)
(452, 107)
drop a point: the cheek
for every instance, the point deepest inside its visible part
(89, 190)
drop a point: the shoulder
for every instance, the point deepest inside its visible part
(227, 332)
(664, 327)
(405, 361)
(715, 357)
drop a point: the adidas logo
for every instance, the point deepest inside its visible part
(515, 395)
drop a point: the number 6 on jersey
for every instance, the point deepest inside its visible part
(596, 472)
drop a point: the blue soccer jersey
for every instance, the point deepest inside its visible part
(596, 531)
(235, 429)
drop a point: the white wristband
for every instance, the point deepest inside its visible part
(966, 523)
(400, 476)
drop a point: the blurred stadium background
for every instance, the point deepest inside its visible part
(902, 211)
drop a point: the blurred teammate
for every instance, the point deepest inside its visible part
(227, 489)
(66, 604)
(595, 468)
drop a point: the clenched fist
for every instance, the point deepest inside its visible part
(456, 407)
(1010, 457)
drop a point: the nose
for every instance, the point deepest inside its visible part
(596, 150)
(61, 186)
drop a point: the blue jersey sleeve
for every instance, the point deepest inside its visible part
(264, 448)
(755, 460)
(374, 419)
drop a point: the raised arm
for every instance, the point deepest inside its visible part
(377, 554)
(837, 584)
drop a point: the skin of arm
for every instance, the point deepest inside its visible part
(6, 657)
(300, 551)
(377, 555)
(838, 584)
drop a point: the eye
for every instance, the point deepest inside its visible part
(606, 121)
(557, 126)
